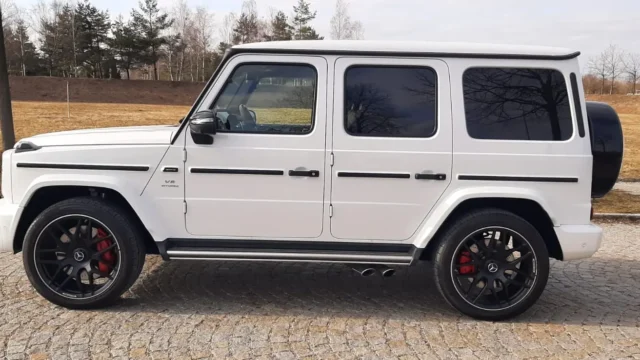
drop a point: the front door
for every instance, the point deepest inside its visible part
(262, 176)
(392, 145)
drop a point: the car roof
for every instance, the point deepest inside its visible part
(410, 48)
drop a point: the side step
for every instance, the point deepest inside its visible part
(300, 251)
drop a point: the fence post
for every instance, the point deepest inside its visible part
(68, 103)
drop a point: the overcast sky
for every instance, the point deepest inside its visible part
(585, 25)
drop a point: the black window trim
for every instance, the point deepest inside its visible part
(573, 131)
(577, 104)
(315, 97)
(378, 66)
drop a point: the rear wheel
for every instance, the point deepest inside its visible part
(82, 253)
(491, 265)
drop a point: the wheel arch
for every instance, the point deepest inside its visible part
(527, 208)
(44, 196)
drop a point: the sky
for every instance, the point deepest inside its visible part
(588, 26)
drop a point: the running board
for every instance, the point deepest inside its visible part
(241, 250)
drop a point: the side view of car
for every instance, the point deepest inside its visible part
(481, 159)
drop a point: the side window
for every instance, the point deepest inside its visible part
(516, 104)
(390, 101)
(268, 98)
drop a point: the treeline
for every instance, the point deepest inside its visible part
(180, 43)
(613, 71)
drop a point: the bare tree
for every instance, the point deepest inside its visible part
(9, 13)
(226, 30)
(598, 67)
(203, 23)
(631, 63)
(613, 61)
(342, 26)
(182, 16)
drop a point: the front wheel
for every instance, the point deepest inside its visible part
(491, 265)
(82, 253)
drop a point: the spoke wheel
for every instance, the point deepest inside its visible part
(77, 256)
(494, 268)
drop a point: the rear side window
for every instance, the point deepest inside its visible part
(516, 104)
(390, 101)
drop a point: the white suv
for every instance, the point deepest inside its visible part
(478, 158)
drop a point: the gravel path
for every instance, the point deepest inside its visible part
(631, 187)
(590, 309)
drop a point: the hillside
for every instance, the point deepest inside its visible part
(54, 89)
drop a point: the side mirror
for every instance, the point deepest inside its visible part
(203, 125)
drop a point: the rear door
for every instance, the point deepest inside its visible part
(392, 145)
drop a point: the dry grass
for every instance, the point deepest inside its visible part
(32, 118)
(618, 201)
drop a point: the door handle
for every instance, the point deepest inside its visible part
(431, 176)
(306, 173)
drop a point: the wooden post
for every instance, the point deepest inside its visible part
(68, 103)
(6, 115)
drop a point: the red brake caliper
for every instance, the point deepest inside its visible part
(106, 264)
(465, 258)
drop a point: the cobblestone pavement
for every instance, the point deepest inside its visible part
(591, 309)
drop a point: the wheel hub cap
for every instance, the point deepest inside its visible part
(79, 255)
(492, 267)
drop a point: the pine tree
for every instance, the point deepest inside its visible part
(22, 58)
(92, 27)
(149, 22)
(246, 29)
(125, 46)
(301, 18)
(280, 28)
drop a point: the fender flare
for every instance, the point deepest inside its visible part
(130, 192)
(450, 201)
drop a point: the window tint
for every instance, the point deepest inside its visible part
(516, 104)
(268, 98)
(390, 101)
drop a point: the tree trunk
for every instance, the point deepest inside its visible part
(128, 76)
(6, 114)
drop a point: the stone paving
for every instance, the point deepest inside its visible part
(192, 310)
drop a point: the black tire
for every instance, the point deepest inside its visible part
(479, 224)
(124, 238)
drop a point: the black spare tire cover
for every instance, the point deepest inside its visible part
(607, 146)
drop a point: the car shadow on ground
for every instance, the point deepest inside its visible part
(577, 292)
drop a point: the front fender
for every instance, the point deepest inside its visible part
(129, 191)
(450, 200)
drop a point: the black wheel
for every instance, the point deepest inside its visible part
(491, 265)
(82, 253)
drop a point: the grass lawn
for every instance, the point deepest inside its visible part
(31, 118)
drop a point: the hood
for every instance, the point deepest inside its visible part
(133, 135)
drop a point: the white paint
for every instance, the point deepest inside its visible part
(291, 208)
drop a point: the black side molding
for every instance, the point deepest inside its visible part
(236, 171)
(82, 167)
(519, 178)
(374, 175)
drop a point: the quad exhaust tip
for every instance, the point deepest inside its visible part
(368, 270)
(364, 270)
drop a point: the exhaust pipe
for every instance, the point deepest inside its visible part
(363, 270)
(385, 271)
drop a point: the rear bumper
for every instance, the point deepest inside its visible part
(8, 217)
(578, 241)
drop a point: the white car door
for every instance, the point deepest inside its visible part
(392, 145)
(262, 175)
